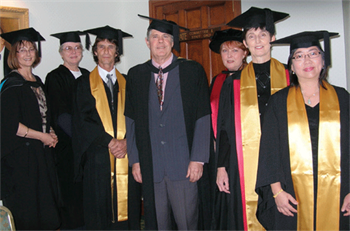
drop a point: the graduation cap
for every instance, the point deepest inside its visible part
(308, 39)
(72, 36)
(255, 17)
(28, 34)
(108, 32)
(166, 26)
(222, 36)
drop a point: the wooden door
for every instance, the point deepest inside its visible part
(203, 18)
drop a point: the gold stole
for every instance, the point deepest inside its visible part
(251, 132)
(118, 166)
(328, 195)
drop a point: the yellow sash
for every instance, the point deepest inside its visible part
(328, 195)
(120, 166)
(251, 132)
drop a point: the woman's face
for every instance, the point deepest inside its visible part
(232, 56)
(258, 43)
(72, 53)
(26, 54)
(307, 63)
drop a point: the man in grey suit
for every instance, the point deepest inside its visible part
(168, 129)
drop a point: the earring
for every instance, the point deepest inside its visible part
(293, 72)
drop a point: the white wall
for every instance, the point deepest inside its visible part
(346, 11)
(51, 16)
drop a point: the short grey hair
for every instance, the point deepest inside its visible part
(149, 33)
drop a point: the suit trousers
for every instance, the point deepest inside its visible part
(180, 198)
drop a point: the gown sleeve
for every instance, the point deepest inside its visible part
(223, 146)
(87, 125)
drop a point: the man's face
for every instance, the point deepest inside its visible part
(160, 45)
(106, 53)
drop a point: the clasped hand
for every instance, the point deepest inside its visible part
(117, 148)
(50, 139)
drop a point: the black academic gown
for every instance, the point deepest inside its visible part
(59, 85)
(92, 164)
(228, 211)
(215, 89)
(274, 161)
(194, 86)
(28, 176)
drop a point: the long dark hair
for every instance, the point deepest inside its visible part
(293, 77)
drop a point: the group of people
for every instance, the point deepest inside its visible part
(266, 146)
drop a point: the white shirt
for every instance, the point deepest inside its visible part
(103, 74)
(76, 74)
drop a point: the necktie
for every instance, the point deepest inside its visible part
(110, 83)
(159, 84)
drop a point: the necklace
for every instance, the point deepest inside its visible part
(308, 101)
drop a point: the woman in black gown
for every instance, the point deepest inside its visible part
(242, 106)
(28, 176)
(60, 86)
(303, 174)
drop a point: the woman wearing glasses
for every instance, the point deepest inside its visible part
(60, 88)
(28, 176)
(303, 173)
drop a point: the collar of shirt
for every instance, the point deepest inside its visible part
(165, 64)
(76, 74)
(103, 74)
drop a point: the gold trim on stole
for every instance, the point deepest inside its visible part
(251, 132)
(120, 166)
(328, 195)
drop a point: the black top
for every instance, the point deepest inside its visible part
(263, 82)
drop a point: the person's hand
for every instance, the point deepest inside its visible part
(222, 180)
(49, 139)
(194, 171)
(54, 136)
(118, 148)
(346, 205)
(136, 172)
(282, 201)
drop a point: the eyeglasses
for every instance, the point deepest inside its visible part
(311, 55)
(25, 51)
(70, 49)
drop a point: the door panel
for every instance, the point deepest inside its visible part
(203, 18)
